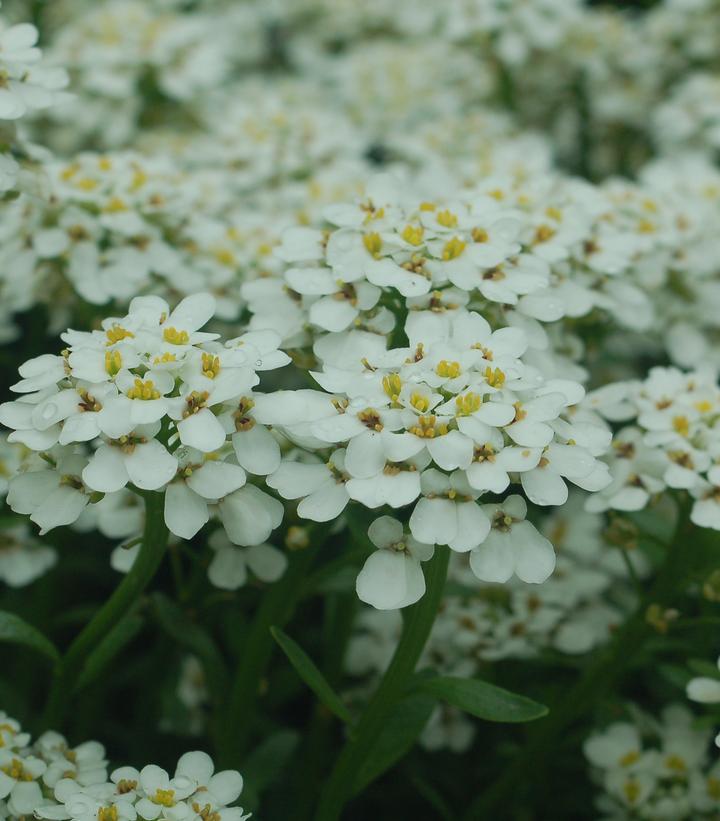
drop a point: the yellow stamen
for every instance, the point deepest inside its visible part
(453, 249)
(373, 243)
(448, 370)
(175, 337)
(143, 390)
(113, 362)
(117, 333)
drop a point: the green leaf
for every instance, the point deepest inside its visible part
(701, 667)
(481, 699)
(399, 734)
(187, 633)
(15, 630)
(311, 675)
(675, 675)
(265, 765)
(111, 645)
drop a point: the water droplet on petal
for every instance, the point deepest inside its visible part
(49, 411)
(258, 363)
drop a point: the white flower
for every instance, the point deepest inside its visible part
(22, 558)
(513, 546)
(448, 514)
(220, 789)
(704, 689)
(52, 497)
(19, 781)
(229, 567)
(200, 481)
(164, 796)
(321, 488)
(136, 457)
(392, 577)
(249, 516)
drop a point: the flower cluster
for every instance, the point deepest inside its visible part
(454, 415)
(50, 779)
(673, 442)
(649, 768)
(574, 611)
(164, 406)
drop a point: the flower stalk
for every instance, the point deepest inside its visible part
(418, 622)
(146, 564)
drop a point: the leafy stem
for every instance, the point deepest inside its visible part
(418, 622)
(147, 561)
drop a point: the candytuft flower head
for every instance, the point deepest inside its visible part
(113, 409)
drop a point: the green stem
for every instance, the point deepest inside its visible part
(601, 675)
(147, 561)
(416, 629)
(275, 610)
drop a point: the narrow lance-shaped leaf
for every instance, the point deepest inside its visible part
(16, 630)
(311, 675)
(480, 699)
(403, 726)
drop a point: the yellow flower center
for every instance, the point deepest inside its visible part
(413, 234)
(392, 385)
(164, 797)
(116, 333)
(419, 402)
(166, 357)
(427, 427)
(681, 425)
(373, 243)
(175, 337)
(494, 377)
(144, 390)
(447, 219)
(465, 405)
(210, 365)
(448, 370)
(16, 770)
(629, 758)
(453, 249)
(107, 813)
(195, 401)
(113, 362)
(632, 791)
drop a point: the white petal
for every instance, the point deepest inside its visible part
(202, 431)
(324, 504)
(295, 479)
(228, 570)
(704, 690)
(389, 580)
(197, 766)
(106, 472)
(534, 554)
(385, 531)
(225, 787)
(257, 450)
(454, 450)
(434, 521)
(493, 560)
(185, 511)
(61, 507)
(192, 313)
(365, 456)
(216, 479)
(266, 562)
(544, 487)
(150, 466)
(473, 527)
